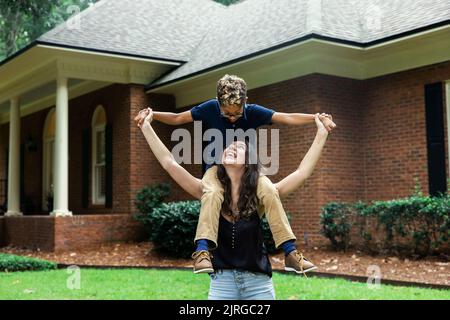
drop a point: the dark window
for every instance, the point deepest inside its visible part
(434, 111)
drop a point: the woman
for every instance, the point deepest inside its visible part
(241, 264)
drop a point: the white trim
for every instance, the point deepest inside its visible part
(49, 101)
(96, 200)
(45, 159)
(412, 36)
(43, 64)
(447, 94)
(112, 55)
(327, 42)
(319, 56)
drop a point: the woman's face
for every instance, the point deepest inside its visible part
(234, 154)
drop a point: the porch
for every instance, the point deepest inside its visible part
(58, 188)
(56, 234)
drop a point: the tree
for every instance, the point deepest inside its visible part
(22, 21)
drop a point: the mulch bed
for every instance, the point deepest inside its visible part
(432, 270)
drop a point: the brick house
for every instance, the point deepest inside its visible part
(72, 160)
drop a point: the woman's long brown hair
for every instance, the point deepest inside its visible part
(248, 200)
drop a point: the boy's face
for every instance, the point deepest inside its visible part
(232, 112)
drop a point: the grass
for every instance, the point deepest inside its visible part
(122, 284)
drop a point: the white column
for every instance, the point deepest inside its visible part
(14, 159)
(61, 160)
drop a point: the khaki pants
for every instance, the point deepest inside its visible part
(270, 204)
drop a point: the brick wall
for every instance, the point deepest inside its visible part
(395, 131)
(37, 232)
(91, 231)
(338, 175)
(145, 168)
(374, 154)
(48, 233)
(377, 149)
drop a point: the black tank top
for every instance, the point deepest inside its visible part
(240, 245)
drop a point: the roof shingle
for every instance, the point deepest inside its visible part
(205, 34)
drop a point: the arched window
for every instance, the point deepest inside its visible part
(48, 139)
(98, 156)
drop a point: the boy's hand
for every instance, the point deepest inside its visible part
(327, 121)
(148, 119)
(139, 119)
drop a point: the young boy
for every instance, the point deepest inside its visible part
(230, 111)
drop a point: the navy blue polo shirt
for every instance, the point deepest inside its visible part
(254, 116)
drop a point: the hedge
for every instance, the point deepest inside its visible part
(10, 263)
(416, 225)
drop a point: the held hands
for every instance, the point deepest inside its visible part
(327, 121)
(321, 128)
(143, 116)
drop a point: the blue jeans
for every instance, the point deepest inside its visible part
(236, 284)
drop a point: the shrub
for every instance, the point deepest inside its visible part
(148, 199)
(336, 225)
(421, 221)
(417, 224)
(173, 227)
(9, 263)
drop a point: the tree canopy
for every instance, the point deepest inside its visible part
(22, 21)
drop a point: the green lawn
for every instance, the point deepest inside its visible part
(179, 285)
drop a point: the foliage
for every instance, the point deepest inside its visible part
(148, 199)
(9, 263)
(336, 224)
(23, 21)
(417, 224)
(173, 227)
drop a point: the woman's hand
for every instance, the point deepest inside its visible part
(320, 125)
(147, 120)
(139, 119)
(327, 120)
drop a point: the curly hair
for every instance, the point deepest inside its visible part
(231, 90)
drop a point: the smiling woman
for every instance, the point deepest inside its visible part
(241, 267)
